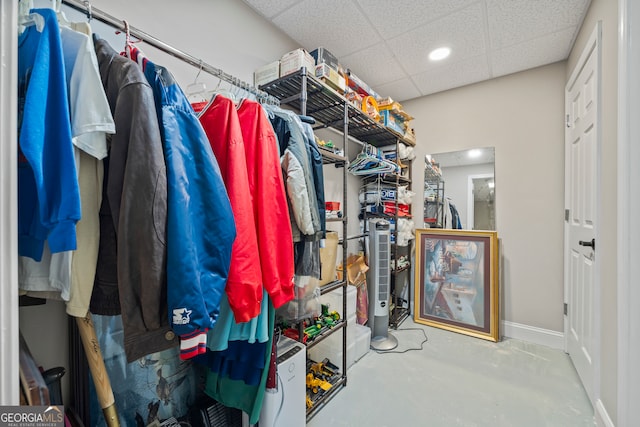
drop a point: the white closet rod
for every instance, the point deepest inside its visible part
(92, 12)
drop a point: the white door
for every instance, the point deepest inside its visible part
(581, 201)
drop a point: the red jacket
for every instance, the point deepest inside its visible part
(266, 185)
(244, 284)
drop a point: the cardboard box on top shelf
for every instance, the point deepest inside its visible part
(393, 121)
(296, 59)
(394, 106)
(266, 73)
(355, 83)
(331, 77)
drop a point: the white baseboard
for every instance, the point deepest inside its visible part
(602, 416)
(547, 337)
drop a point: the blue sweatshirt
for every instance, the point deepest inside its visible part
(48, 194)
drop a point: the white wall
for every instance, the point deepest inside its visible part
(456, 185)
(224, 33)
(521, 115)
(607, 12)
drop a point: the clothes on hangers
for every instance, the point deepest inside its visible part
(69, 275)
(46, 162)
(239, 354)
(244, 284)
(156, 135)
(201, 227)
(237, 393)
(267, 189)
(317, 172)
(131, 274)
(238, 351)
(294, 158)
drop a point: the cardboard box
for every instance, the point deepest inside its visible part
(392, 121)
(360, 86)
(331, 77)
(266, 73)
(322, 55)
(294, 60)
(328, 256)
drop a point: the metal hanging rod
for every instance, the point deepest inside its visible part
(94, 13)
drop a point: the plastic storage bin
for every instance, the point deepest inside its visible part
(334, 300)
(363, 341)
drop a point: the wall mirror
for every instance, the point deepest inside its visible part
(459, 190)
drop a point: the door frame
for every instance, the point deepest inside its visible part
(470, 198)
(594, 44)
(9, 332)
(628, 201)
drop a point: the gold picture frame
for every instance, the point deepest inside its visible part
(456, 282)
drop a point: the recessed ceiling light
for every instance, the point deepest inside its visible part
(439, 53)
(475, 153)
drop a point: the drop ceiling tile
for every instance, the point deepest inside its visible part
(514, 21)
(400, 90)
(271, 8)
(375, 65)
(533, 53)
(336, 25)
(449, 76)
(394, 18)
(462, 31)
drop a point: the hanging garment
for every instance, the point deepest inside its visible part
(48, 194)
(275, 240)
(238, 394)
(226, 329)
(236, 368)
(240, 361)
(244, 284)
(69, 275)
(447, 220)
(317, 171)
(201, 229)
(295, 165)
(131, 272)
(455, 216)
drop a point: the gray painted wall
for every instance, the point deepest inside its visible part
(521, 116)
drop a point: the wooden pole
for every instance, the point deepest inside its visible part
(98, 370)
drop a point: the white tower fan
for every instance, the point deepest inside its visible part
(379, 284)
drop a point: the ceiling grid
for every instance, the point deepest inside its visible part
(386, 43)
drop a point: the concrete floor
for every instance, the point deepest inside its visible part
(457, 380)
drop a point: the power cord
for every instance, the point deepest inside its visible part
(408, 349)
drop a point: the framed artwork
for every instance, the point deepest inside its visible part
(456, 282)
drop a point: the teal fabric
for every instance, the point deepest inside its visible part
(237, 394)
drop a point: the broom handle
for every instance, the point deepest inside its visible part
(98, 370)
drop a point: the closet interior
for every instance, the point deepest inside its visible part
(224, 194)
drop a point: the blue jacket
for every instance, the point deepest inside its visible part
(48, 194)
(200, 225)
